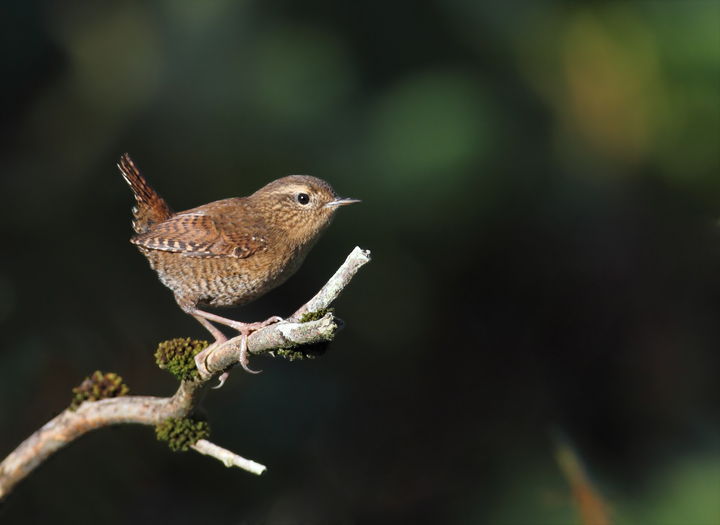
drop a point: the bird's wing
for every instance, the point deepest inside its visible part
(197, 234)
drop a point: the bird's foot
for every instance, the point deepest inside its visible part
(223, 377)
(243, 361)
(201, 357)
(201, 365)
(245, 330)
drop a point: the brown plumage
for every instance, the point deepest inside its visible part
(231, 251)
(151, 208)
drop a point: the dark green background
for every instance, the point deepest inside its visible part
(541, 190)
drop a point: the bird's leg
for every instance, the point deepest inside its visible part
(202, 356)
(236, 325)
(245, 330)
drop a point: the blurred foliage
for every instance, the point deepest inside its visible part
(541, 190)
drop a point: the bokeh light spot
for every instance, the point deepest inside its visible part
(429, 123)
(299, 73)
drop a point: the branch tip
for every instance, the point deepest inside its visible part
(229, 459)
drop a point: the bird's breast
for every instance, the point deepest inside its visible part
(222, 281)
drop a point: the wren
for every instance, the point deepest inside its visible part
(231, 251)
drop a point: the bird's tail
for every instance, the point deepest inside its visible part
(151, 208)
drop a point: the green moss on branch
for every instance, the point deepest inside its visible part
(98, 386)
(181, 433)
(177, 356)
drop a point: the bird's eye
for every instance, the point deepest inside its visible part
(303, 198)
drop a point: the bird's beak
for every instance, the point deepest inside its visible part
(341, 202)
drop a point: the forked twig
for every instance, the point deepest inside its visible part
(145, 410)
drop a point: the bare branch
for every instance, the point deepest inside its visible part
(229, 458)
(69, 425)
(280, 336)
(325, 297)
(91, 415)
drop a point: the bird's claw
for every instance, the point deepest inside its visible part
(223, 377)
(244, 351)
(200, 359)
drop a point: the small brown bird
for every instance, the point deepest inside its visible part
(231, 251)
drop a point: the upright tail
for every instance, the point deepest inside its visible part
(151, 208)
